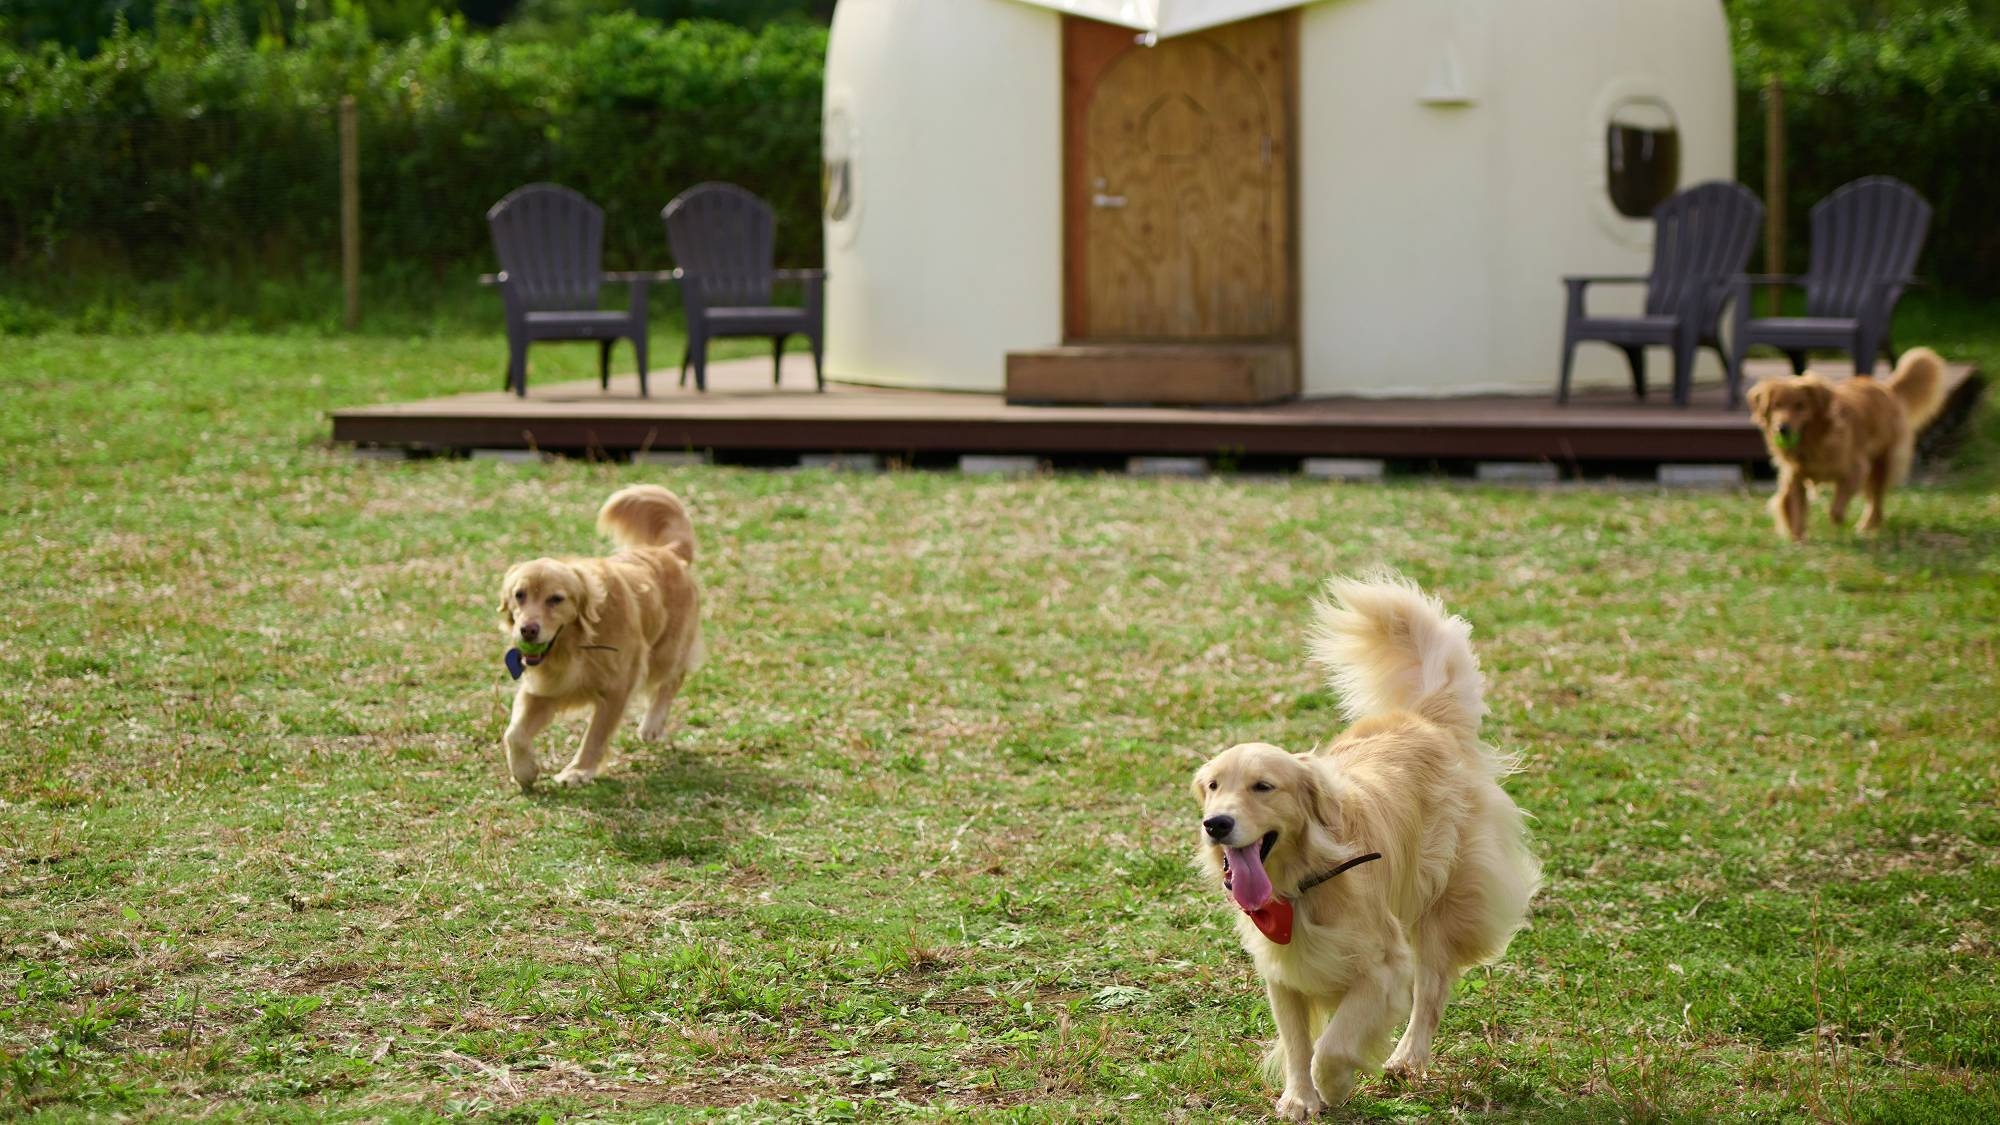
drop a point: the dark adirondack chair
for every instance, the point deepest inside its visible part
(550, 240)
(723, 240)
(1701, 240)
(1866, 238)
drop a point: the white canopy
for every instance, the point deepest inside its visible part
(1168, 17)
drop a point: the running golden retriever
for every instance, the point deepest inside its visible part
(1370, 872)
(1857, 435)
(588, 633)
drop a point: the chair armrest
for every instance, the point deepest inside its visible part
(799, 275)
(510, 296)
(694, 301)
(1577, 283)
(1741, 285)
(1887, 293)
(815, 285)
(631, 276)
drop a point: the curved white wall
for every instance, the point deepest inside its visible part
(954, 254)
(1566, 62)
(1451, 172)
(1434, 234)
(1396, 201)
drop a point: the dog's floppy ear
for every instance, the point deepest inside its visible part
(507, 597)
(1322, 795)
(1760, 400)
(1818, 391)
(590, 598)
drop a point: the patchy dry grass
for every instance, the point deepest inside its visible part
(921, 846)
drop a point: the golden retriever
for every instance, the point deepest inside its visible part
(588, 633)
(1372, 871)
(1857, 435)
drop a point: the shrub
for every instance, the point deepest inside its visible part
(1911, 96)
(163, 150)
(196, 149)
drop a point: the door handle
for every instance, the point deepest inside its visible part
(1108, 202)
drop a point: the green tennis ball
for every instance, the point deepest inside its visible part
(531, 648)
(1785, 441)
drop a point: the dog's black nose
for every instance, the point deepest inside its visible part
(1785, 431)
(530, 631)
(1219, 827)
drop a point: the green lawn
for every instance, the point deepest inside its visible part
(922, 846)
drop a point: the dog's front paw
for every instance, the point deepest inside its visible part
(525, 770)
(1407, 1068)
(1297, 1105)
(573, 778)
(1333, 1077)
(653, 730)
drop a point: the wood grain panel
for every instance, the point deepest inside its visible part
(1158, 374)
(1089, 49)
(1179, 185)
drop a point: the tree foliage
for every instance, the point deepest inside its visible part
(160, 147)
(80, 25)
(152, 134)
(1889, 87)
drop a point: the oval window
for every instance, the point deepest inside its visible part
(837, 171)
(1642, 158)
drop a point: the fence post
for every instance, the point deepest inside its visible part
(1774, 187)
(350, 210)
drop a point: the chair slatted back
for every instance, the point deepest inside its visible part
(726, 238)
(1702, 237)
(1866, 232)
(550, 240)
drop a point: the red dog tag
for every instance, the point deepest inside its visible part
(1274, 918)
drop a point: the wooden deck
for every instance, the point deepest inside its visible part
(742, 414)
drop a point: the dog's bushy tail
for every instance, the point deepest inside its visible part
(1918, 383)
(1385, 645)
(646, 515)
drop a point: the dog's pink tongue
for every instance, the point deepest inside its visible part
(1248, 884)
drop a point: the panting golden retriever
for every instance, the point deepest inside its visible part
(589, 633)
(1372, 871)
(1857, 435)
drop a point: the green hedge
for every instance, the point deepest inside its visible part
(1911, 96)
(156, 154)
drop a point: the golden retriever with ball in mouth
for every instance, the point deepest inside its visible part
(1857, 435)
(588, 633)
(1372, 871)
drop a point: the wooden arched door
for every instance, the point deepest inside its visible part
(1179, 175)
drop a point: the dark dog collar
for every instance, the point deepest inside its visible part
(1357, 861)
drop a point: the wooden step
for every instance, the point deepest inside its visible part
(1154, 374)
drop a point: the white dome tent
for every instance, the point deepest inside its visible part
(1382, 193)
